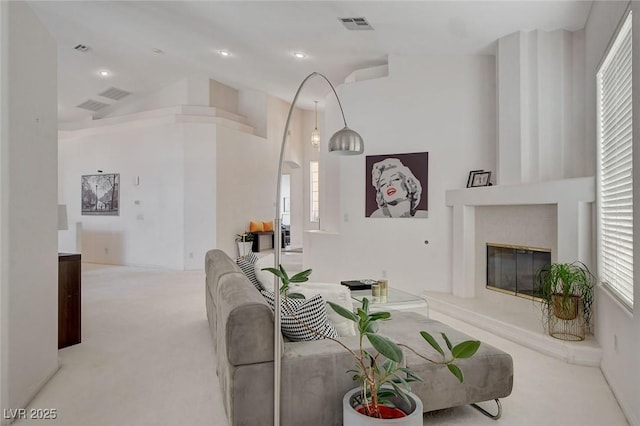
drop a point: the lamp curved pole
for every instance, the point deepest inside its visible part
(277, 341)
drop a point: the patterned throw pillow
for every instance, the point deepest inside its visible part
(330, 292)
(309, 311)
(246, 263)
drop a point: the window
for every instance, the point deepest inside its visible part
(315, 202)
(615, 167)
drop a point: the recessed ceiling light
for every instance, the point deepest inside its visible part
(224, 53)
(104, 73)
(299, 55)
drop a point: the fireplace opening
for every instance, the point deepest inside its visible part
(512, 269)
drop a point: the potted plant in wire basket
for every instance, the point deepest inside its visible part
(384, 390)
(566, 290)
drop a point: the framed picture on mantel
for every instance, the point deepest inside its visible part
(478, 178)
(100, 194)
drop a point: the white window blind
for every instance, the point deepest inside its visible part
(314, 191)
(615, 183)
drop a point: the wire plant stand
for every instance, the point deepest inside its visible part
(567, 327)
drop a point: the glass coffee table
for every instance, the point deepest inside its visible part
(396, 300)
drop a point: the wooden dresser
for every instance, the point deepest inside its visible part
(69, 297)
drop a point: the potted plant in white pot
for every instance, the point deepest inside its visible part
(245, 242)
(384, 393)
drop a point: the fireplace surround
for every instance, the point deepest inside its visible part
(573, 199)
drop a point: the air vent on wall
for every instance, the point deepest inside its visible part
(114, 93)
(92, 105)
(354, 24)
(81, 48)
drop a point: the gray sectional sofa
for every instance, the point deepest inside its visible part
(313, 373)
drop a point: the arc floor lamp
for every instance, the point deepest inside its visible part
(346, 142)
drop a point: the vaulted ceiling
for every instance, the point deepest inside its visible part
(145, 45)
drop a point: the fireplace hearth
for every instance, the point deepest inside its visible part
(512, 269)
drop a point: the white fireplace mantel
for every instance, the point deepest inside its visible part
(573, 198)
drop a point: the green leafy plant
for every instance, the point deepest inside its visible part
(381, 373)
(245, 237)
(562, 286)
(300, 277)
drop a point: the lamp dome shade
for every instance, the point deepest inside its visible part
(346, 142)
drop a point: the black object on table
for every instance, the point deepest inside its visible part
(359, 284)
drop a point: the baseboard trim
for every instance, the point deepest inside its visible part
(35, 393)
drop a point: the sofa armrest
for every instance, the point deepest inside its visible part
(246, 321)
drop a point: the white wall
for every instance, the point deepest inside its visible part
(444, 105)
(149, 229)
(540, 106)
(200, 187)
(253, 105)
(223, 97)
(246, 186)
(28, 213)
(199, 180)
(169, 183)
(617, 331)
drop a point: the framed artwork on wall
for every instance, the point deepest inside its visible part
(100, 194)
(396, 185)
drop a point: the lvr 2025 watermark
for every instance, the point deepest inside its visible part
(30, 413)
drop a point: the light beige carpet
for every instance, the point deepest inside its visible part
(146, 356)
(147, 359)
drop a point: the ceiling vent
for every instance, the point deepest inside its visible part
(92, 105)
(355, 24)
(81, 48)
(114, 93)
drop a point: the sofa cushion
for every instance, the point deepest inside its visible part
(246, 263)
(487, 375)
(335, 293)
(299, 318)
(265, 278)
